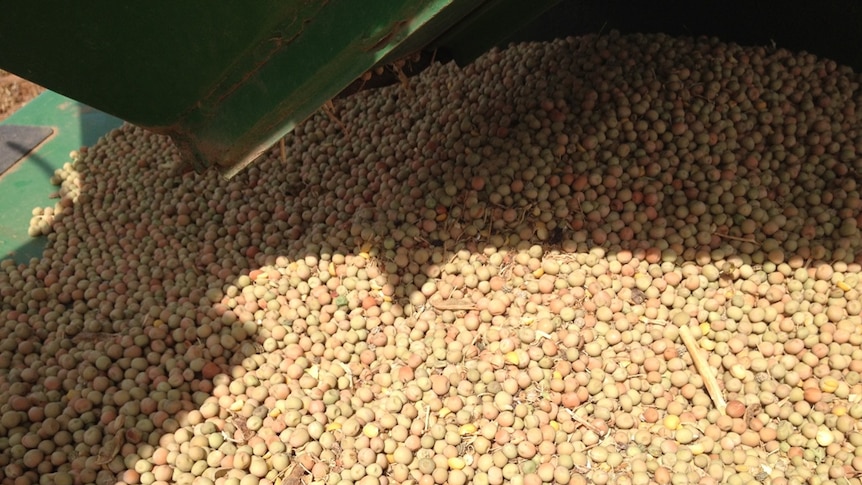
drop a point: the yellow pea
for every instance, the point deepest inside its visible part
(671, 421)
(456, 463)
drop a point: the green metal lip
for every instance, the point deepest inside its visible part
(227, 80)
(287, 78)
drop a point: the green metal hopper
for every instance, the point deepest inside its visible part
(226, 80)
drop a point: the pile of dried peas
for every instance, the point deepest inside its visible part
(478, 277)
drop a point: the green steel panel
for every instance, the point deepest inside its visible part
(225, 79)
(27, 184)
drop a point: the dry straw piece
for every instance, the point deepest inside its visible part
(703, 369)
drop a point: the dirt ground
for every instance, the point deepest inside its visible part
(15, 92)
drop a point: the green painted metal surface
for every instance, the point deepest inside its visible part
(227, 79)
(293, 74)
(27, 184)
(224, 79)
